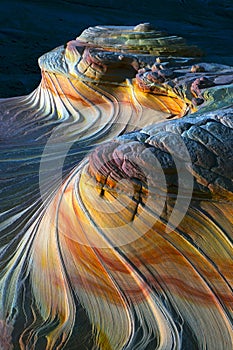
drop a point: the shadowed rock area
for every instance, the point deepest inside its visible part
(116, 194)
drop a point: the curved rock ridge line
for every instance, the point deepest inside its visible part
(116, 198)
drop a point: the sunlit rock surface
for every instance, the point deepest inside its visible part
(116, 221)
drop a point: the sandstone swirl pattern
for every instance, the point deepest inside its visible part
(116, 222)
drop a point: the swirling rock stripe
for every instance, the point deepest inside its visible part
(173, 286)
(100, 240)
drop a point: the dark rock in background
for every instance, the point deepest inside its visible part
(30, 28)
